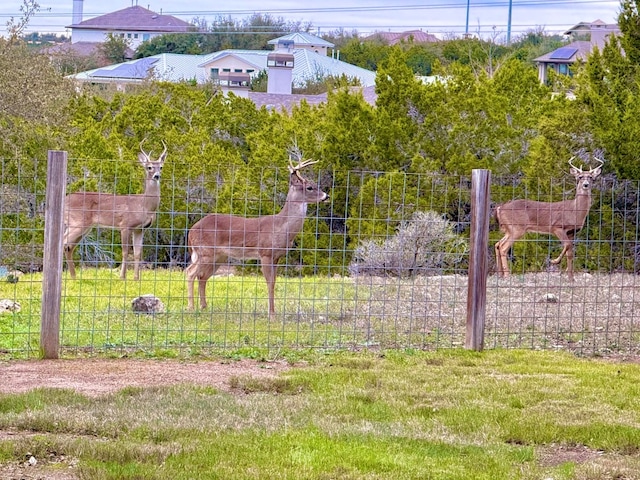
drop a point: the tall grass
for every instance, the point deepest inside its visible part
(402, 415)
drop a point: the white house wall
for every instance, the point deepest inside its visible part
(232, 64)
(133, 38)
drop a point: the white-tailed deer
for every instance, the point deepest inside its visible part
(130, 214)
(562, 219)
(216, 237)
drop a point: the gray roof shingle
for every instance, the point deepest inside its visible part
(135, 18)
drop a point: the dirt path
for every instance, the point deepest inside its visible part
(95, 377)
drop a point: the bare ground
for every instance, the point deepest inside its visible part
(96, 377)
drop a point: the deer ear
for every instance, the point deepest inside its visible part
(596, 171)
(142, 158)
(574, 171)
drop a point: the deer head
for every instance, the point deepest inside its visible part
(583, 178)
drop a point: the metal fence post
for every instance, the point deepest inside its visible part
(478, 262)
(52, 264)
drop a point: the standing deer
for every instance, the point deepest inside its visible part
(130, 214)
(216, 237)
(562, 219)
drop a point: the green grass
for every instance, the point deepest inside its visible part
(96, 313)
(401, 415)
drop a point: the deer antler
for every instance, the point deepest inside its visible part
(146, 155)
(301, 164)
(165, 149)
(601, 163)
(572, 165)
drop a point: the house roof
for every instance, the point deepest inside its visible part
(392, 38)
(306, 64)
(585, 27)
(175, 67)
(170, 67)
(569, 53)
(135, 18)
(302, 39)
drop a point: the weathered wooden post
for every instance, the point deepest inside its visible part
(52, 262)
(478, 261)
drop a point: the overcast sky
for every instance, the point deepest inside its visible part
(441, 17)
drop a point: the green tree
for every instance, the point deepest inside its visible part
(608, 89)
(184, 43)
(114, 48)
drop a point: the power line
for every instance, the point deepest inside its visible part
(448, 6)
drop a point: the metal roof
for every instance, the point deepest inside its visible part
(302, 38)
(170, 67)
(173, 67)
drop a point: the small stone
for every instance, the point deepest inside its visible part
(148, 303)
(9, 306)
(549, 298)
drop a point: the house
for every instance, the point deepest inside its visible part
(135, 24)
(392, 38)
(561, 59)
(233, 70)
(303, 40)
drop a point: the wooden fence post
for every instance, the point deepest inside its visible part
(52, 262)
(478, 262)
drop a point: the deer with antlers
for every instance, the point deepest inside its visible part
(130, 214)
(562, 219)
(217, 237)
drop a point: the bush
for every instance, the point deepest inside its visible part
(425, 245)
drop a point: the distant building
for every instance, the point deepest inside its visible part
(392, 38)
(306, 41)
(287, 66)
(135, 24)
(561, 59)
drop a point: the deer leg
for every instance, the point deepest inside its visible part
(206, 271)
(570, 261)
(268, 266)
(70, 240)
(202, 269)
(502, 251)
(557, 260)
(190, 273)
(567, 250)
(499, 269)
(138, 236)
(125, 240)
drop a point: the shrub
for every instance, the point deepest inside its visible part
(424, 245)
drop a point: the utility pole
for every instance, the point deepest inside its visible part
(466, 30)
(509, 23)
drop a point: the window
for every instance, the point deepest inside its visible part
(237, 70)
(145, 37)
(215, 73)
(563, 69)
(135, 35)
(226, 70)
(128, 35)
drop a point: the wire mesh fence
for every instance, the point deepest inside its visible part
(381, 264)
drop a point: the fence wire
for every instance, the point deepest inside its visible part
(382, 264)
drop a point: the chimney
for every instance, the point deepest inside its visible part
(77, 12)
(280, 68)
